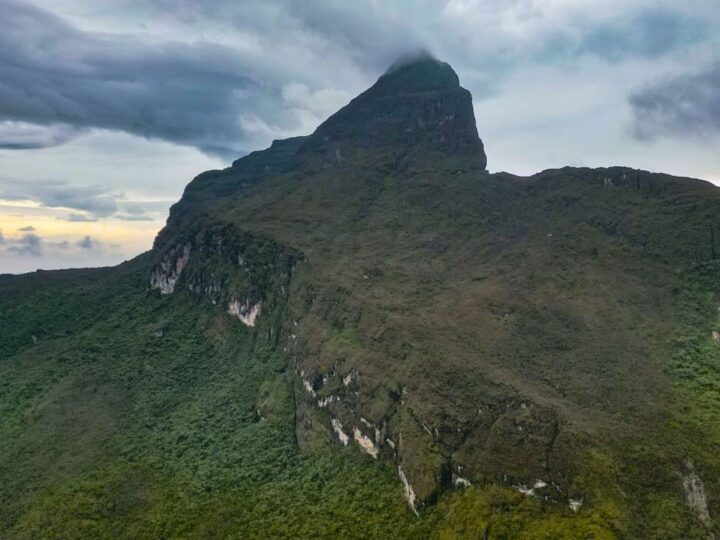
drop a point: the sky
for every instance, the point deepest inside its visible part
(109, 108)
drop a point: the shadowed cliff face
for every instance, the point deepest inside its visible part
(414, 111)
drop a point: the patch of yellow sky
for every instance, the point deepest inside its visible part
(131, 237)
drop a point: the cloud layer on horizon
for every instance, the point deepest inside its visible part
(31, 245)
(228, 77)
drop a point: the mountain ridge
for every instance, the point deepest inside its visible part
(517, 356)
(419, 106)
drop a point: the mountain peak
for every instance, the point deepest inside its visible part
(418, 71)
(411, 57)
(416, 109)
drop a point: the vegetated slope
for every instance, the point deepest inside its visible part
(531, 356)
(163, 418)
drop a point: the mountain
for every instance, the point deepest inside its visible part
(363, 333)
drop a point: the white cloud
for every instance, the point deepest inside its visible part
(321, 102)
(96, 201)
(24, 135)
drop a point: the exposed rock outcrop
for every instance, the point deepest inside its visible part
(246, 311)
(417, 107)
(229, 267)
(695, 493)
(166, 274)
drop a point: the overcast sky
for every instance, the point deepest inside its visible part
(109, 108)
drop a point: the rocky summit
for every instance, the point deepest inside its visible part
(362, 333)
(416, 108)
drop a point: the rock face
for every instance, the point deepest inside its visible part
(247, 312)
(695, 493)
(205, 190)
(211, 185)
(168, 271)
(414, 109)
(229, 267)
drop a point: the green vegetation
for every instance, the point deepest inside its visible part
(165, 418)
(552, 333)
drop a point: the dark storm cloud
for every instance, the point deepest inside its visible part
(227, 97)
(222, 78)
(489, 35)
(648, 33)
(374, 34)
(95, 200)
(364, 32)
(55, 74)
(25, 136)
(684, 105)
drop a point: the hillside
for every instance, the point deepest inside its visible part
(363, 333)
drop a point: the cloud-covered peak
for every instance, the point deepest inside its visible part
(418, 73)
(231, 77)
(417, 56)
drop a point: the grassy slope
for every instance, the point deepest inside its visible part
(114, 431)
(597, 301)
(109, 430)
